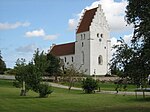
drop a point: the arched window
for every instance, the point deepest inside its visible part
(82, 44)
(82, 57)
(72, 58)
(65, 59)
(100, 60)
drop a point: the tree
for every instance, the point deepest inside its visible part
(121, 58)
(40, 65)
(54, 67)
(22, 76)
(29, 76)
(2, 65)
(71, 72)
(138, 14)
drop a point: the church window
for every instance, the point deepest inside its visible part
(84, 36)
(100, 60)
(82, 57)
(97, 34)
(82, 44)
(72, 59)
(81, 37)
(101, 35)
(65, 59)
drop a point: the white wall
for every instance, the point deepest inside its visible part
(68, 59)
(99, 25)
(79, 49)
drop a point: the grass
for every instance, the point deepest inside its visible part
(61, 100)
(107, 86)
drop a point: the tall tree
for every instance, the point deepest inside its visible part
(2, 64)
(138, 14)
(54, 67)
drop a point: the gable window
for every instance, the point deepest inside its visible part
(72, 59)
(100, 60)
(65, 59)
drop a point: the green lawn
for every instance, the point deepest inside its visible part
(62, 100)
(107, 86)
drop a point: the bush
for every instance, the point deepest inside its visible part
(44, 90)
(89, 85)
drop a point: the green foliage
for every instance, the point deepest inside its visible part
(2, 65)
(89, 85)
(54, 67)
(29, 76)
(44, 90)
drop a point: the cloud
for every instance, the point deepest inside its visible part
(35, 33)
(72, 24)
(7, 26)
(40, 33)
(50, 37)
(26, 49)
(114, 12)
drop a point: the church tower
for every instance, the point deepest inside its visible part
(92, 46)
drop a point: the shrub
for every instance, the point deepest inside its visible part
(89, 85)
(44, 90)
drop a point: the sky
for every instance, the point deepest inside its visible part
(26, 25)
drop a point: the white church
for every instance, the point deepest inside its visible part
(91, 50)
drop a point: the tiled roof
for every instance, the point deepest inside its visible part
(63, 49)
(86, 20)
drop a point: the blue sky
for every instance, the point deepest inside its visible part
(29, 24)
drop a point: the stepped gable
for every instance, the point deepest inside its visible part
(63, 49)
(86, 20)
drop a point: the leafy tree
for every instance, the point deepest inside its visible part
(121, 58)
(21, 76)
(40, 64)
(138, 14)
(29, 76)
(54, 67)
(89, 85)
(2, 65)
(71, 72)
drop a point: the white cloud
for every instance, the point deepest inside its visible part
(35, 33)
(114, 12)
(72, 24)
(7, 26)
(50, 37)
(26, 49)
(40, 33)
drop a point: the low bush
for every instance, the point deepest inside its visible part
(44, 90)
(89, 85)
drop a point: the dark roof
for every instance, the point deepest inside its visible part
(86, 20)
(63, 49)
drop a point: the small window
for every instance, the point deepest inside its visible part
(105, 47)
(72, 59)
(82, 44)
(82, 57)
(81, 37)
(101, 35)
(65, 59)
(97, 34)
(100, 60)
(84, 36)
